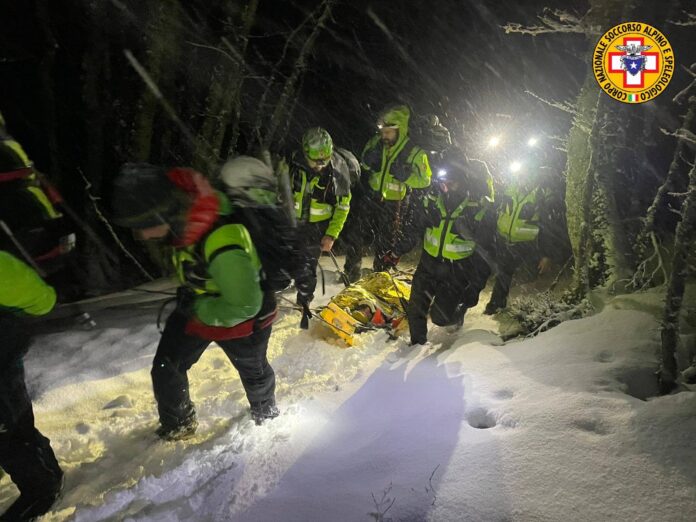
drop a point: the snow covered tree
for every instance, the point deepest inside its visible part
(683, 245)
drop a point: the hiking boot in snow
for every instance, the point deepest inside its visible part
(492, 309)
(30, 506)
(181, 432)
(263, 411)
(453, 328)
(353, 276)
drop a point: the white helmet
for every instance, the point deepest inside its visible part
(250, 181)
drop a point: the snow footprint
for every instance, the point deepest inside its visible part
(595, 426)
(122, 401)
(480, 418)
(503, 394)
(605, 356)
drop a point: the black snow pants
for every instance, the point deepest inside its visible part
(509, 257)
(25, 454)
(378, 223)
(445, 289)
(178, 351)
(309, 239)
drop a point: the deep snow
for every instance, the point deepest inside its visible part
(468, 428)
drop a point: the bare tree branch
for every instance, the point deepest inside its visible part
(554, 21)
(690, 20)
(682, 134)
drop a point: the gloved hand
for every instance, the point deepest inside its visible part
(390, 259)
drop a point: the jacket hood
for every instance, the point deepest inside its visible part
(398, 115)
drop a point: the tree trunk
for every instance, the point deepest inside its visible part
(289, 88)
(585, 155)
(674, 169)
(49, 100)
(609, 176)
(95, 76)
(249, 17)
(224, 97)
(580, 182)
(164, 31)
(683, 244)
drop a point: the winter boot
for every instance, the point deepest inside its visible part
(182, 431)
(262, 411)
(492, 308)
(30, 506)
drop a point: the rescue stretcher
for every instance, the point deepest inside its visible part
(375, 302)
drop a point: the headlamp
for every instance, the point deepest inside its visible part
(384, 125)
(493, 142)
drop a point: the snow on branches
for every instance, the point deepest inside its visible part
(553, 21)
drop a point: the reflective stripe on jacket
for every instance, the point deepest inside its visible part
(403, 160)
(518, 214)
(317, 199)
(447, 240)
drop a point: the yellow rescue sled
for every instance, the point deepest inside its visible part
(377, 301)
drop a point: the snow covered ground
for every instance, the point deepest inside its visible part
(550, 428)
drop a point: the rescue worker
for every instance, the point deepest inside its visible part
(395, 172)
(320, 181)
(457, 244)
(25, 454)
(15, 165)
(434, 137)
(226, 255)
(30, 212)
(524, 223)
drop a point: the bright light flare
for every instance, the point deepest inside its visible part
(532, 142)
(515, 166)
(493, 142)
(442, 173)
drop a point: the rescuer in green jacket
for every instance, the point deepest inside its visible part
(25, 454)
(320, 181)
(227, 250)
(458, 226)
(524, 210)
(395, 172)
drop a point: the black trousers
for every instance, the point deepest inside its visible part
(445, 290)
(309, 239)
(25, 454)
(381, 224)
(509, 257)
(177, 352)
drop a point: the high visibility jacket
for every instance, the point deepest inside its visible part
(216, 259)
(16, 165)
(322, 196)
(519, 213)
(21, 288)
(452, 234)
(393, 171)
